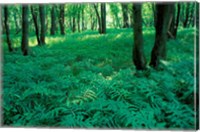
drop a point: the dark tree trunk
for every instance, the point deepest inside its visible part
(103, 18)
(35, 20)
(74, 24)
(6, 15)
(62, 19)
(78, 21)
(98, 17)
(185, 23)
(138, 55)
(25, 26)
(42, 22)
(70, 22)
(191, 16)
(125, 15)
(53, 20)
(177, 19)
(83, 20)
(159, 49)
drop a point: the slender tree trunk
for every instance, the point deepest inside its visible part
(2, 20)
(98, 17)
(171, 26)
(138, 55)
(6, 15)
(177, 19)
(25, 26)
(125, 15)
(62, 19)
(70, 22)
(186, 15)
(74, 24)
(83, 20)
(53, 20)
(103, 17)
(42, 22)
(191, 16)
(78, 21)
(159, 49)
(35, 20)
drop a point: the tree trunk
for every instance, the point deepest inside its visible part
(171, 26)
(83, 20)
(125, 15)
(186, 15)
(78, 20)
(138, 55)
(25, 26)
(191, 16)
(42, 22)
(70, 23)
(62, 19)
(177, 19)
(6, 15)
(98, 17)
(53, 20)
(159, 49)
(74, 24)
(103, 18)
(35, 20)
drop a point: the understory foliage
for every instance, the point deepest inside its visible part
(88, 80)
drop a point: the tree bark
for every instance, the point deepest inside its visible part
(25, 26)
(42, 22)
(53, 20)
(138, 55)
(185, 23)
(125, 15)
(74, 24)
(62, 19)
(159, 49)
(172, 33)
(191, 16)
(99, 18)
(78, 18)
(6, 15)
(83, 19)
(35, 20)
(171, 26)
(177, 18)
(103, 18)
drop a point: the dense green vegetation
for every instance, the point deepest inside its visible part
(88, 80)
(99, 65)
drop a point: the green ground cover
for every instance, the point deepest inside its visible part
(88, 80)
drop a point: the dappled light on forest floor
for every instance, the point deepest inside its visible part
(89, 82)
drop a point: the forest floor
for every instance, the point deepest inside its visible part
(88, 80)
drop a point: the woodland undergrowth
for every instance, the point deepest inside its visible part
(88, 80)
